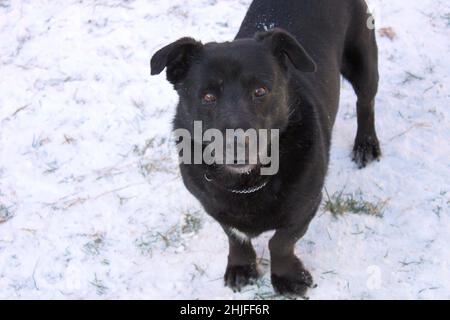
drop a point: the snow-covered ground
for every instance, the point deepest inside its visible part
(91, 200)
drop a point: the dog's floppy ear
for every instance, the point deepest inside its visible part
(284, 45)
(176, 57)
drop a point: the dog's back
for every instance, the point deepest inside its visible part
(321, 26)
(325, 28)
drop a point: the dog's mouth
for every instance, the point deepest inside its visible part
(242, 179)
(241, 168)
(249, 164)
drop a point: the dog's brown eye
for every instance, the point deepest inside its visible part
(260, 92)
(209, 98)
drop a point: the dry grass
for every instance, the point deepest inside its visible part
(340, 203)
(5, 213)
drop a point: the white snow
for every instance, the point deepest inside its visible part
(91, 200)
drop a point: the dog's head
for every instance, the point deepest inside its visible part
(234, 85)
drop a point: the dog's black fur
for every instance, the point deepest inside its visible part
(303, 83)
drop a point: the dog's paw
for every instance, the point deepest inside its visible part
(237, 277)
(366, 150)
(293, 284)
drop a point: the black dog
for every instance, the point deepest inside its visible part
(267, 80)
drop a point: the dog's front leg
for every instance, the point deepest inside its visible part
(242, 268)
(288, 274)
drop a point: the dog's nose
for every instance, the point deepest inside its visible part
(235, 120)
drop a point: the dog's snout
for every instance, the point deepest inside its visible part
(235, 120)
